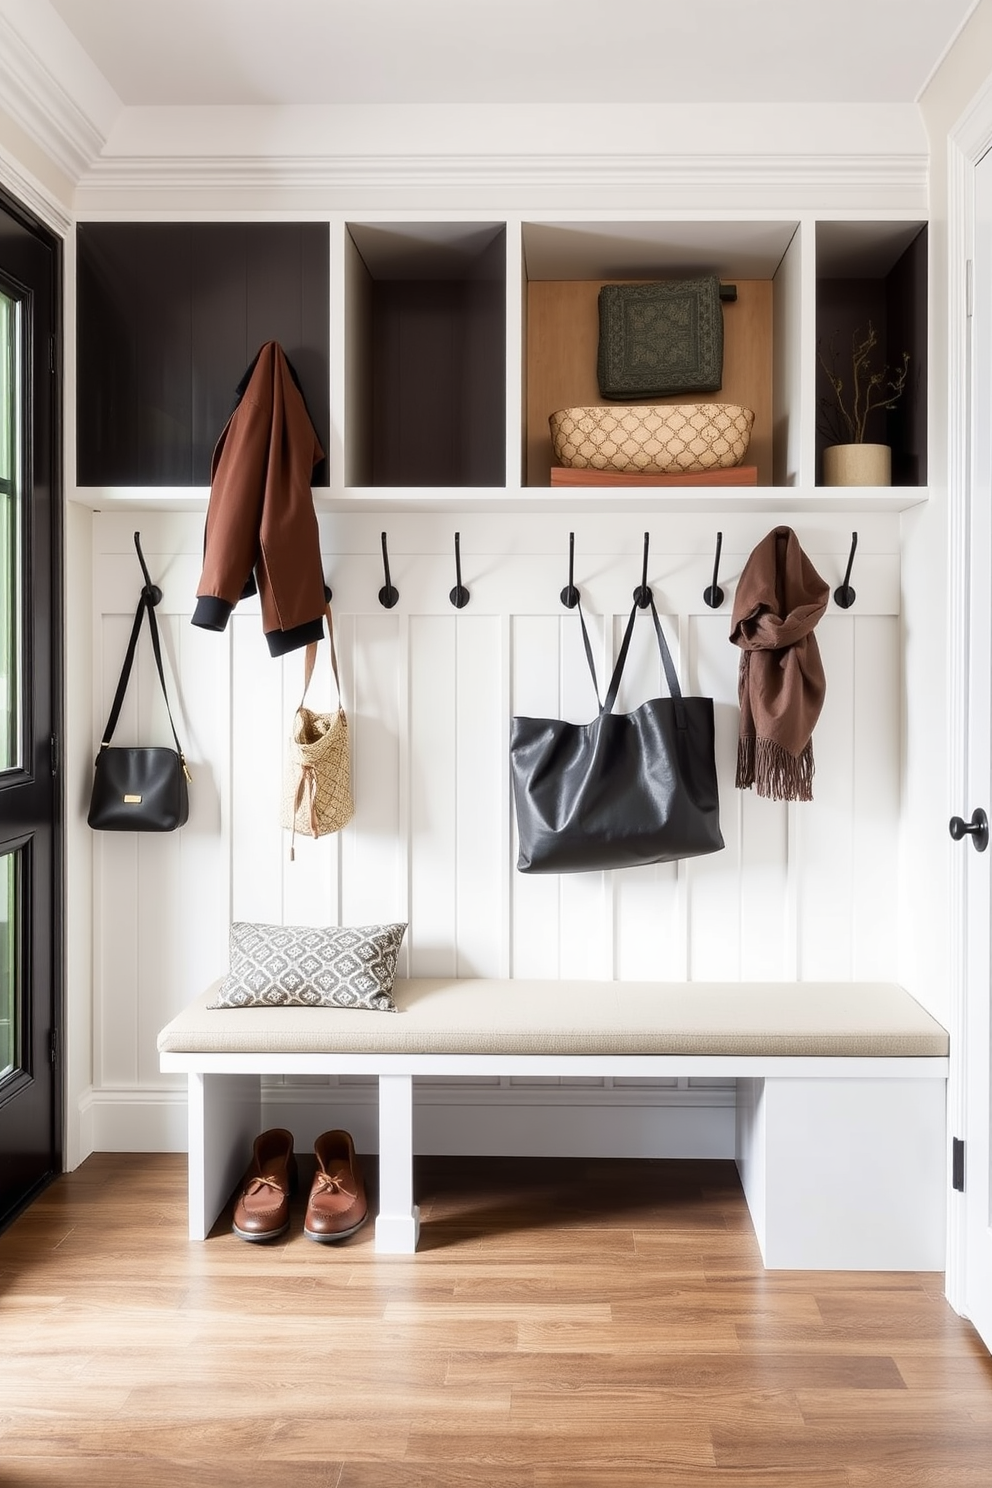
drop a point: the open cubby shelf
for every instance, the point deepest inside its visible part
(432, 352)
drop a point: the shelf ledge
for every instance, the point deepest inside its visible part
(546, 499)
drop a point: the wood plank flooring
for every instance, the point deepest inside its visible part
(565, 1324)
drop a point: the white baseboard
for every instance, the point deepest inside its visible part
(130, 1120)
(570, 1120)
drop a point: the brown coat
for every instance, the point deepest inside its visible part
(261, 528)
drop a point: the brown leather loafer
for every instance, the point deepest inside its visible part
(337, 1205)
(262, 1211)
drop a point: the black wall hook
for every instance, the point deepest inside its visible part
(570, 595)
(845, 595)
(642, 594)
(387, 594)
(459, 596)
(152, 592)
(714, 596)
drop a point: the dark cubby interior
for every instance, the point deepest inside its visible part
(890, 296)
(169, 317)
(432, 390)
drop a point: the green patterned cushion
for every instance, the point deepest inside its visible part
(311, 966)
(660, 339)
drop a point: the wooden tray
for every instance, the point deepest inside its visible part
(734, 475)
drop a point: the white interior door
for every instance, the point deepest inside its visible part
(978, 904)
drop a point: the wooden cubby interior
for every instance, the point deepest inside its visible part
(875, 273)
(169, 316)
(567, 263)
(425, 358)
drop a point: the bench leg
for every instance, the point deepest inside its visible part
(398, 1224)
(225, 1112)
(845, 1174)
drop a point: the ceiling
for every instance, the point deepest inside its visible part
(284, 52)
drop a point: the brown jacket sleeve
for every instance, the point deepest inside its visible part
(260, 517)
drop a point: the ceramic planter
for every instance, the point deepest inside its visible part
(857, 465)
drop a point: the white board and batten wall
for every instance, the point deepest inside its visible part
(801, 891)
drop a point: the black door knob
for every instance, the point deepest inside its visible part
(977, 829)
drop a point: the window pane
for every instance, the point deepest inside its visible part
(9, 1035)
(10, 544)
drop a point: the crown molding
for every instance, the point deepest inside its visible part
(38, 104)
(53, 93)
(127, 158)
(33, 196)
(884, 181)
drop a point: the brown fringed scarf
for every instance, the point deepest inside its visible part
(779, 600)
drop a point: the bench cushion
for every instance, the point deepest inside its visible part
(445, 1015)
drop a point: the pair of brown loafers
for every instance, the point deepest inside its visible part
(337, 1206)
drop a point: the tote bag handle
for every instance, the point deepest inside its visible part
(668, 665)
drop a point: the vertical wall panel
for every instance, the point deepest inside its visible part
(714, 881)
(159, 910)
(162, 901)
(649, 903)
(258, 724)
(766, 905)
(117, 943)
(534, 896)
(163, 354)
(432, 773)
(481, 743)
(161, 898)
(374, 846)
(826, 839)
(310, 877)
(203, 717)
(220, 345)
(585, 899)
(876, 798)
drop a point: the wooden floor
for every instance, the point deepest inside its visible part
(589, 1324)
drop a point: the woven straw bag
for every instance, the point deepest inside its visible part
(317, 796)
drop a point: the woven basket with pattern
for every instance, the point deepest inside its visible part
(663, 439)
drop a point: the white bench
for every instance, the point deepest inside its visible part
(840, 1092)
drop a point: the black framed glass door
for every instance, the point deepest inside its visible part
(30, 691)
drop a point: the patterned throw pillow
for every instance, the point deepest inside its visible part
(304, 966)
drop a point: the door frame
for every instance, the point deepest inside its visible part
(968, 142)
(22, 200)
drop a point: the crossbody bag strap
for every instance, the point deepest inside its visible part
(156, 647)
(149, 598)
(118, 703)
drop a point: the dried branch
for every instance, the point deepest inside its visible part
(848, 414)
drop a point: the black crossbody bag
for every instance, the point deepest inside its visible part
(141, 788)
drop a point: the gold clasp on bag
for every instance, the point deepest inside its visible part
(132, 800)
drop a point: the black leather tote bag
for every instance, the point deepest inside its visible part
(624, 790)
